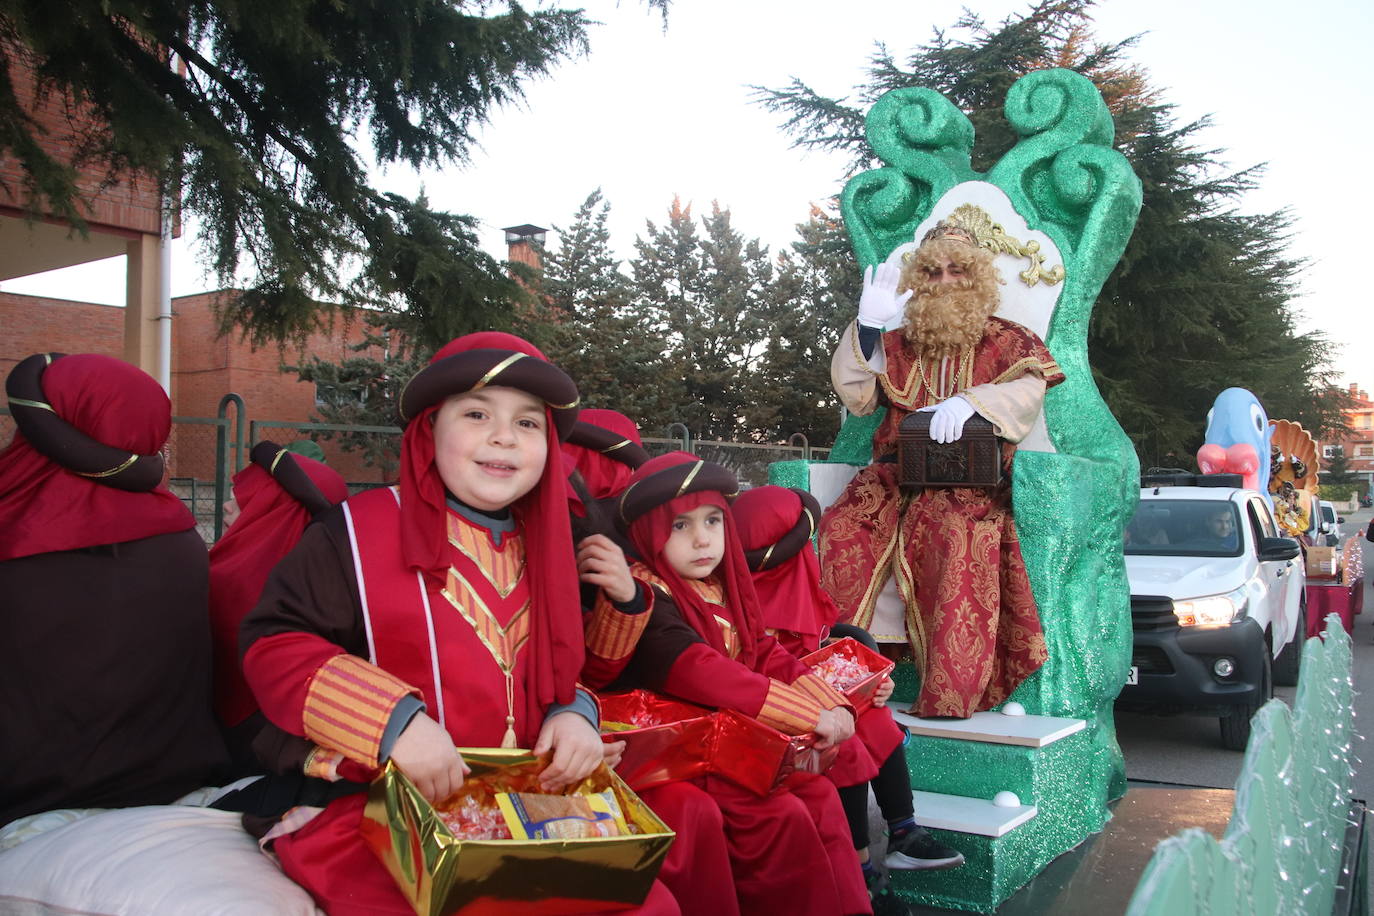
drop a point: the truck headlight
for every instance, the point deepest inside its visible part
(1212, 610)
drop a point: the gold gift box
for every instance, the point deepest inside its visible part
(441, 874)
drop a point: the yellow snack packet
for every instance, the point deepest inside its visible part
(533, 816)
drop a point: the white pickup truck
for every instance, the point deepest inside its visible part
(1217, 602)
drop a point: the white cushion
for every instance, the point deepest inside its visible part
(163, 860)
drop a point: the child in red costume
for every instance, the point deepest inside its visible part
(273, 501)
(440, 613)
(776, 526)
(601, 453)
(704, 643)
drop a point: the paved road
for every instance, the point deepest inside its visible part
(1185, 749)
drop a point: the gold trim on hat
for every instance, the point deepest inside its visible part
(39, 404)
(763, 564)
(691, 475)
(276, 459)
(496, 370)
(112, 471)
(568, 406)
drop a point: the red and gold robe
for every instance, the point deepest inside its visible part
(970, 616)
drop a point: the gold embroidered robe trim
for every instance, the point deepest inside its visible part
(502, 567)
(504, 643)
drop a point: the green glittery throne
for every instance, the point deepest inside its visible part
(1075, 478)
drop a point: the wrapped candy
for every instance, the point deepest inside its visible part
(471, 818)
(841, 672)
(851, 668)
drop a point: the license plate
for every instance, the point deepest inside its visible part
(1133, 676)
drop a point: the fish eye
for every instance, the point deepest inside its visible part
(1257, 415)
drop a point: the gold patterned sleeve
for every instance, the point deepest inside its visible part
(854, 378)
(613, 634)
(1011, 406)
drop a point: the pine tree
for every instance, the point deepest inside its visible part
(708, 293)
(587, 326)
(254, 129)
(813, 298)
(1201, 298)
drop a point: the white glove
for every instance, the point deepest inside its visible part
(947, 424)
(880, 303)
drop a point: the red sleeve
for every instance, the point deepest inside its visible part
(703, 676)
(280, 668)
(777, 663)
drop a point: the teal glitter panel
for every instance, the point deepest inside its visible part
(1069, 809)
(790, 474)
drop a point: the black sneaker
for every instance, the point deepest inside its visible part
(916, 849)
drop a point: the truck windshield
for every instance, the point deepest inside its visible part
(1184, 527)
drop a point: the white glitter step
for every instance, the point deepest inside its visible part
(968, 815)
(992, 727)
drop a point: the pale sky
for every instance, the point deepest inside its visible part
(649, 114)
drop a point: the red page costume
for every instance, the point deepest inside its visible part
(602, 451)
(278, 495)
(790, 852)
(398, 596)
(105, 684)
(776, 526)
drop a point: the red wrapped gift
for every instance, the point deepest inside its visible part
(838, 665)
(667, 740)
(763, 759)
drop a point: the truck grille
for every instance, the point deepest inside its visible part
(1151, 660)
(1149, 612)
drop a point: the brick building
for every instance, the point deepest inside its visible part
(123, 214)
(205, 366)
(1358, 444)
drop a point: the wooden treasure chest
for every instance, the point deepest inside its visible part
(972, 460)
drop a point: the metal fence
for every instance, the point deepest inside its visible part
(204, 453)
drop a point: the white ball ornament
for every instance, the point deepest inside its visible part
(1005, 799)
(1013, 708)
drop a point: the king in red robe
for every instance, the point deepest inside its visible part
(953, 553)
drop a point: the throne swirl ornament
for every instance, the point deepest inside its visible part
(1057, 211)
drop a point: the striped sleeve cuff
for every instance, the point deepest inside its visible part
(789, 710)
(348, 706)
(817, 689)
(613, 634)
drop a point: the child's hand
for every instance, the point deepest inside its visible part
(611, 753)
(577, 750)
(884, 691)
(425, 752)
(601, 562)
(835, 726)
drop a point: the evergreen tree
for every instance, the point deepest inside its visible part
(365, 391)
(587, 326)
(814, 297)
(252, 125)
(709, 295)
(1201, 298)
(1337, 470)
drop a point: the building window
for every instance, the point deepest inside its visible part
(1328, 451)
(1364, 451)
